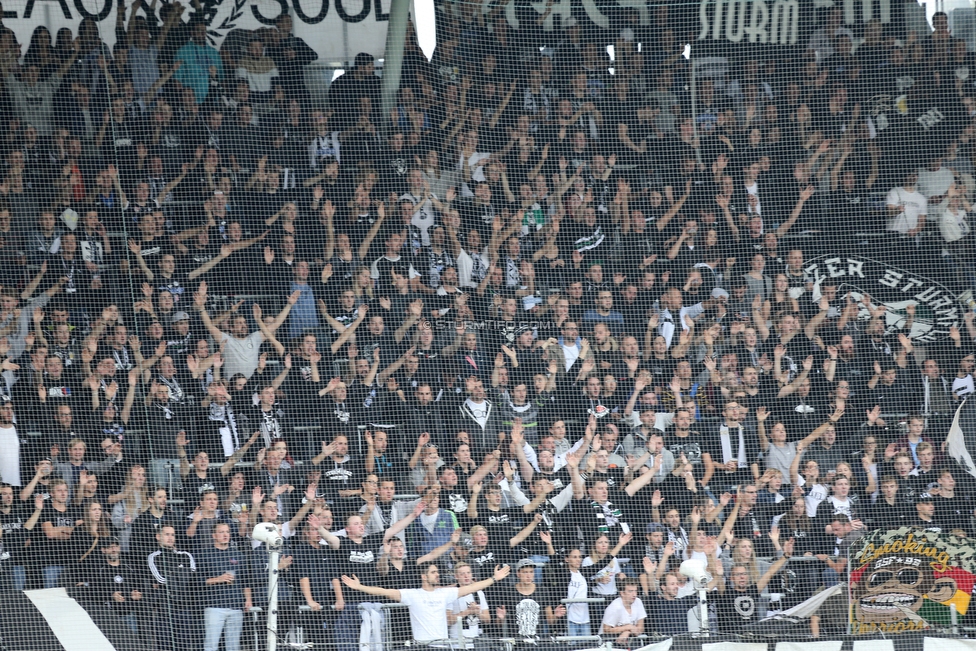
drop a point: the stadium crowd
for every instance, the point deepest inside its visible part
(568, 315)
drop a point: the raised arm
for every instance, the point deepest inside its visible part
(761, 415)
(353, 583)
(328, 211)
(643, 480)
(723, 203)
(573, 461)
(136, 250)
(280, 319)
(730, 522)
(350, 329)
(395, 366)
(437, 552)
(662, 223)
(368, 240)
(526, 531)
(500, 573)
(331, 539)
(797, 209)
(493, 122)
(263, 327)
(814, 323)
(757, 318)
(32, 286)
(405, 522)
(775, 567)
(225, 252)
(239, 453)
(199, 304)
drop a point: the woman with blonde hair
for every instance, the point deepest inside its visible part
(743, 554)
(362, 285)
(129, 504)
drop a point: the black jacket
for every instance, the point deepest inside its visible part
(173, 576)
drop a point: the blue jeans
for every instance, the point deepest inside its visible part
(830, 577)
(226, 620)
(20, 577)
(51, 575)
(131, 621)
(572, 628)
(347, 628)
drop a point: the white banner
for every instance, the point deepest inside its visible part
(828, 645)
(948, 644)
(336, 29)
(736, 646)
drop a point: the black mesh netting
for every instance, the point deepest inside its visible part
(600, 288)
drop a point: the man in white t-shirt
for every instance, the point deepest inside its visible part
(934, 181)
(9, 445)
(424, 201)
(907, 207)
(242, 349)
(625, 615)
(469, 611)
(429, 604)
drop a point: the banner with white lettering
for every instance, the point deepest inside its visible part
(336, 29)
(755, 21)
(777, 23)
(599, 13)
(773, 22)
(936, 308)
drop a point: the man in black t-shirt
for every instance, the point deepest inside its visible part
(315, 567)
(519, 609)
(13, 516)
(738, 605)
(51, 549)
(681, 440)
(485, 553)
(341, 473)
(667, 612)
(355, 554)
(501, 523)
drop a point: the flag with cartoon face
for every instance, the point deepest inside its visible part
(908, 580)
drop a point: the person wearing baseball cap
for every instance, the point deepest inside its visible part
(519, 609)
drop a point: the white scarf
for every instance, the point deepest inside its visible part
(726, 436)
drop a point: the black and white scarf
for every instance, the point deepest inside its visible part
(122, 361)
(225, 414)
(271, 428)
(174, 389)
(607, 515)
(165, 409)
